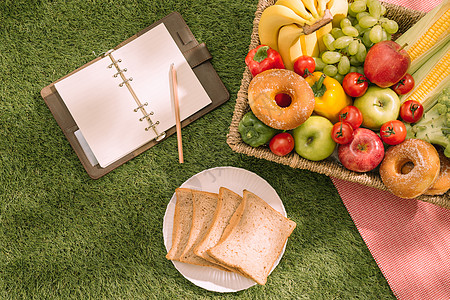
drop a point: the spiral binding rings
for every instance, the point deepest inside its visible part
(152, 125)
(140, 106)
(114, 63)
(159, 136)
(146, 116)
(125, 81)
(119, 72)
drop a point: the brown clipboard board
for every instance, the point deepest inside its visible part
(198, 57)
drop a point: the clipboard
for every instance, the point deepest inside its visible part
(198, 58)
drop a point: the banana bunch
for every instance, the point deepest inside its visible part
(295, 27)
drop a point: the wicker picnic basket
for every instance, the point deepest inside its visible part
(330, 166)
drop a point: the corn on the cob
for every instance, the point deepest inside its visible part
(431, 78)
(427, 36)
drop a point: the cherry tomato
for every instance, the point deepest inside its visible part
(342, 133)
(282, 144)
(352, 115)
(393, 132)
(411, 111)
(355, 84)
(304, 65)
(405, 85)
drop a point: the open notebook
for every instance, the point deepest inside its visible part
(120, 104)
(111, 121)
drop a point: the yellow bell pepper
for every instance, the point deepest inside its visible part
(329, 96)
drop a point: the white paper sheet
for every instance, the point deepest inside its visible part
(104, 111)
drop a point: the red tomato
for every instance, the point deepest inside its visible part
(282, 144)
(411, 111)
(342, 133)
(352, 115)
(404, 85)
(304, 65)
(355, 84)
(393, 132)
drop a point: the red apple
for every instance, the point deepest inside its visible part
(386, 63)
(364, 153)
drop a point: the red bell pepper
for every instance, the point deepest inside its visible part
(263, 58)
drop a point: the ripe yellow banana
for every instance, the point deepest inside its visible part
(292, 44)
(309, 43)
(297, 7)
(272, 19)
(282, 26)
(338, 9)
(295, 51)
(320, 33)
(321, 6)
(311, 6)
(288, 37)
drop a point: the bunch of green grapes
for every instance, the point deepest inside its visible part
(347, 45)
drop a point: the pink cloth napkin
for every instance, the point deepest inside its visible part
(420, 5)
(409, 239)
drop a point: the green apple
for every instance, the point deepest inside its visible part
(313, 138)
(378, 106)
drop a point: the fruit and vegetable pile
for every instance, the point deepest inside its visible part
(370, 93)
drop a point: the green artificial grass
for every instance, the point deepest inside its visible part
(66, 236)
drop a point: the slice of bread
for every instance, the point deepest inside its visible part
(253, 242)
(226, 206)
(204, 207)
(182, 222)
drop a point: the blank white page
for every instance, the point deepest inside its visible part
(104, 112)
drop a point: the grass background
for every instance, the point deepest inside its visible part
(65, 236)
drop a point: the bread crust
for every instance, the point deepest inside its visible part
(254, 241)
(227, 204)
(182, 221)
(228, 232)
(442, 183)
(204, 207)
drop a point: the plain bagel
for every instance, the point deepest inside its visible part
(424, 161)
(442, 184)
(261, 97)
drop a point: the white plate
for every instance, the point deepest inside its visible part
(211, 180)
